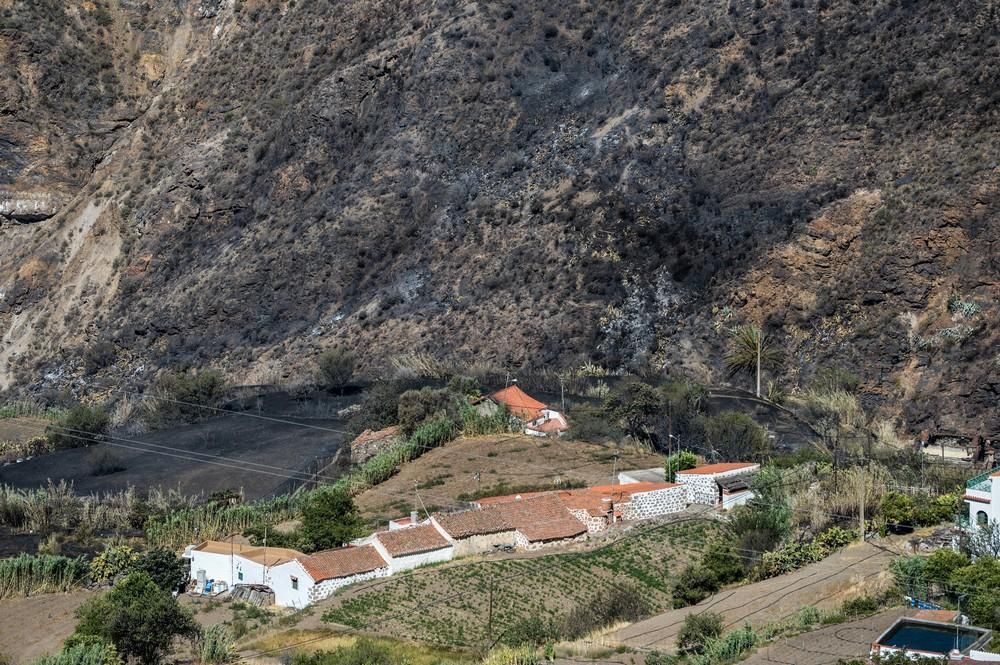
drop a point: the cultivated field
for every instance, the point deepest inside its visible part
(447, 475)
(451, 605)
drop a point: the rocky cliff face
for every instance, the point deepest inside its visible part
(243, 183)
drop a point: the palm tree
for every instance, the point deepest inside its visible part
(749, 350)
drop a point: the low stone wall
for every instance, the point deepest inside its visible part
(655, 503)
(327, 588)
(369, 443)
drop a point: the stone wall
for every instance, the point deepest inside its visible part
(656, 503)
(327, 588)
(369, 443)
(593, 524)
(485, 543)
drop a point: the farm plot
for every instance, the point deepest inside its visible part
(454, 605)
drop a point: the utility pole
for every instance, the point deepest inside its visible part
(489, 614)
(863, 498)
(562, 393)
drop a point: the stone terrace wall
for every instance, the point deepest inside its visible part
(653, 504)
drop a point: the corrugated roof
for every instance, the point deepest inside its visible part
(413, 540)
(342, 562)
(519, 403)
(709, 469)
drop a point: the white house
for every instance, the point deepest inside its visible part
(717, 484)
(411, 547)
(296, 579)
(982, 498)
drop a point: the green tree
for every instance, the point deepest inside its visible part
(897, 509)
(636, 405)
(139, 618)
(81, 425)
(766, 519)
(336, 368)
(750, 350)
(418, 406)
(330, 519)
(698, 629)
(169, 571)
(114, 561)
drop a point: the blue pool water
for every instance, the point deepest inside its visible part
(930, 638)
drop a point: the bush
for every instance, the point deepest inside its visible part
(859, 607)
(417, 406)
(81, 425)
(104, 462)
(114, 561)
(94, 652)
(505, 655)
(729, 648)
(180, 398)
(379, 409)
(336, 368)
(679, 461)
(698, 629)
(834, 379)
(167, 570)
(735, 436)
(636, 406)
(533, 631)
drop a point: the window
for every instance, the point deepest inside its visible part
(982, 519)
(239, 576)
(295, 583)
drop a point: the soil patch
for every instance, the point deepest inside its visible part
(35, 626)
(447, 476)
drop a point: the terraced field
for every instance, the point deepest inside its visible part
(450, 605)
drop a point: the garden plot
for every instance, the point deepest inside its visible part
(450, 605)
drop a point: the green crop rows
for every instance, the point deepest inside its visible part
(450, 605)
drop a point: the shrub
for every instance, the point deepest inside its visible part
(621, 603)
(727, 649)
(330, 519)
(735, 436)
(636, 406)
(533, 630)
(698, 629)
(417, 406)
(114, 561)
(379, 409)
(179, 397)
(166, 569)
(679, 461)
(336, 368)
(95, 652)
(104, 462)
(859, 607)
(835, 379)
(897, 509)
(80, 426)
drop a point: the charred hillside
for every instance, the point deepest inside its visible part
(511, 183)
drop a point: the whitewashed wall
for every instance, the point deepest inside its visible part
(736, 499)
(401, 563)
(327, 588)
(216, 566)
(281, 583)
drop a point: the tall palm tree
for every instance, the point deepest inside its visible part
(749, 350)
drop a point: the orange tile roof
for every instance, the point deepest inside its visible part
(595, 500)
(342, 562)
(542, 516)
(224, 547)
(519, 403)
(708, 469)
(266, 556)
(551, 425)
(995, 474)
(401, 542)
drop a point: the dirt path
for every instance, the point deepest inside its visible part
(36, 626)
(825, 584)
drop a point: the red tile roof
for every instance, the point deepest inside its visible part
(540, 517)
(977, 499)
(414, 540)
(709, 469)
(519, 403)
(342, 562)
(595, 500)
(550, 426)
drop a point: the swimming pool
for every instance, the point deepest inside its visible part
(929, 637)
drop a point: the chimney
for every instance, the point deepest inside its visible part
(413, 518)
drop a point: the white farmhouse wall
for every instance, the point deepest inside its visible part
(281, 583)
(645, 505)
(408, 562)
(216, 566)
(251, 571)
(983, 503)
(327, 588)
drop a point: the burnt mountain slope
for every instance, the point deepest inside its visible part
(512, 183)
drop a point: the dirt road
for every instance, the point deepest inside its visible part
(36, 626)
(826, 584)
